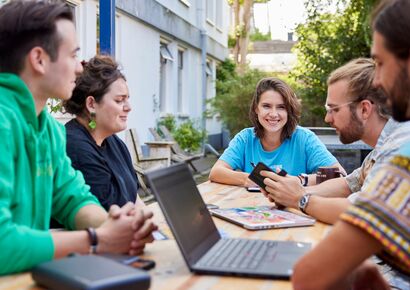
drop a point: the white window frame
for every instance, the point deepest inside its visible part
(165, 57)
(181, 75)
(186, 3)
(210, 18)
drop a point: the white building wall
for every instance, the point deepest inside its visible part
(139, 57)
(186, 9)
(137, 50)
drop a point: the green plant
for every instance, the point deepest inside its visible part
(189, 138)
(259, 36)
(55, 105)
(327, 41)
(168, 121)
(186, 134)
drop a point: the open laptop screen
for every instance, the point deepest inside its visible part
(184, 210)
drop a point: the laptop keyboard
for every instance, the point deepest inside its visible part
(237, 253)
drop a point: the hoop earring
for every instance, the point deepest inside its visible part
(92, 124)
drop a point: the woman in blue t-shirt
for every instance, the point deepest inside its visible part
(276, 140)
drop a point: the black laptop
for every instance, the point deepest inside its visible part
(200, 242)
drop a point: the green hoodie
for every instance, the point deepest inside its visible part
(36, 179)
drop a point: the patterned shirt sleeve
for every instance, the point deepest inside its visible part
(383, 211)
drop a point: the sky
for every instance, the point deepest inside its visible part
(283, 17)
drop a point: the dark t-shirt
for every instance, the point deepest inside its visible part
(107, 169)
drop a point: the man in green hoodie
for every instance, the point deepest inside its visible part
(38, 61)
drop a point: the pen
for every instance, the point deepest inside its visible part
(253, 164)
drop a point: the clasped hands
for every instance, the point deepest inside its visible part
(283, 190)
(126, 230)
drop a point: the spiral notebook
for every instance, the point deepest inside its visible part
(262, 217)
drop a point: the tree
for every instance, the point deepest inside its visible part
(327, 41)
(242, 17)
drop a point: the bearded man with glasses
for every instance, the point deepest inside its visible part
(358, 111)
(378, 222)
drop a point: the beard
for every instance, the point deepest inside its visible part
(353, 131)
(399, 96)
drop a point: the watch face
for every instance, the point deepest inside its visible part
(302, 202)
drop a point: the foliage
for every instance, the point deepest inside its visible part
(259, 36)
(234, 93)
(54, 105)
(231, 41)
(327, 41)
(186, 134)
(168, 121)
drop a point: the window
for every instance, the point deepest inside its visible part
(209, 81)
(218, 11)
(165, 53)
(210, 11)
(72, 7)
(165, 57)
(185, 2)
(208, 69)
(180, 80)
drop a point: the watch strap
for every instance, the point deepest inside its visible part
(92, 235)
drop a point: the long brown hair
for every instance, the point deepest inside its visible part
(292, 104)
(391, 19)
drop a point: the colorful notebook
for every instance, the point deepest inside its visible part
(262, 217)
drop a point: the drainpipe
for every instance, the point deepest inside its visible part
(203, 43)
(107, 27)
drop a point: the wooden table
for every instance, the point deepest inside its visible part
(171, 271)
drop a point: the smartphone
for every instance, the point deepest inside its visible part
(133, 261)
(256, 177)
(253, 189)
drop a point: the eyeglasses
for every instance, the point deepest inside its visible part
(330, 110)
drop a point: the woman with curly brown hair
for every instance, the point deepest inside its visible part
(100, 102)
(276, 139)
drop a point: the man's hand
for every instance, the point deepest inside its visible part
(143, 226)
(367, 277)
(116, 211)
(115, 235)
(136, 225)
(284, 190)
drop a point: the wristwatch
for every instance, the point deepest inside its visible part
(303, 202)
(304, 179)
(92, 235)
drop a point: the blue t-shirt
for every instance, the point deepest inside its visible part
(405, 150)
(303, 152)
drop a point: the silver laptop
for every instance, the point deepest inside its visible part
(201, 245)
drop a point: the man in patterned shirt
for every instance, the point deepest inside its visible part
(379, 221)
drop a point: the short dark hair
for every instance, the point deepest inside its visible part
(99, 73)
(391, 19)
(359, 74)
(27, 24)
(292, 105)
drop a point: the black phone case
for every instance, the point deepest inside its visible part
(256, 177)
